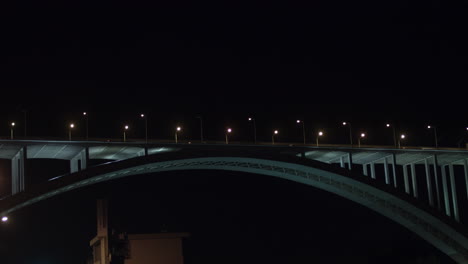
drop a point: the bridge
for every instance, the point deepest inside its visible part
(425, 190)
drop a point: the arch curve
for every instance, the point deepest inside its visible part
(324, 177)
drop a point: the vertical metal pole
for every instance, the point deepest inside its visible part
(387, 178)
(445, 190)
(435, 136)
(125, 138)
(255, 131)
(454, 193)
(227, 139)
(175, 135)
(342, 163)
(146, 129)
(428, 182)
(436, 181)
(414, 180)
(364, 169)
(372, 167)
(405, 178)
(394, 170)
(303, 132)
(350, 134)
(394, 137)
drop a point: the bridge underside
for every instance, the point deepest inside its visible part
(435, 229)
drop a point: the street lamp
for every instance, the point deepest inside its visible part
(362, 136)
(273, 136)
(4, 219)
(350, 132)
(11, 129)
(178, 129)
(435, 134)
(146, 127)
(255, 129)
(85, 114)
(70, 131)
(402, 136)
(303, 129)
(126, 127)
(228, 131)
(394, 134)
(319, 134)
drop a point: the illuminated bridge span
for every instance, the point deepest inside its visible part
(424, 190)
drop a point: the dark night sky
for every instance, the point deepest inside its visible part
(361, 60)
(325, 61)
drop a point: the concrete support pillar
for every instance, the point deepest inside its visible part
(465, 167)
(372, 170)
(405, 178)
(18, 171)
(79, 162)
(342, 163)
(436, 181)
(445, 191)
(453, 189)
(394, 170)
(414, 180)
(428, 182)
(350, 161)
(146, 152)
(364, 169)
(387, 178)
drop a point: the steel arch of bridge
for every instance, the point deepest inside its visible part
(437, 232)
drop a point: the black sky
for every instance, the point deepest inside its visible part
(389, 57)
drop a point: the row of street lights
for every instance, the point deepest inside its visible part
(397, 142)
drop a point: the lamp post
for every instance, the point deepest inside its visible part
(303, 129)
(350, 132)
(362, 136)
(435, 135)
(201, 128)
(402, 136)
(146, 126)
(178, 129)
(11, 129)
(319, 134)
(394, 134)
(126, 127)
(85, 114)
(70, 131)
(273, 136)
(255, 129)
(228, 131)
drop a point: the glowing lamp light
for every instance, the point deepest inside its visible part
(320, 133)
(250, 119)
(403, 136)
(363, 135)
(4, 219)
(429, 127)
(13, 124)
(344, 123)
(72, 125)
(388, 125)
(142, 115)
(229, 130)
(84, 113)
(126, 127)
(275, 132)
(298, 121)
(178, 128)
